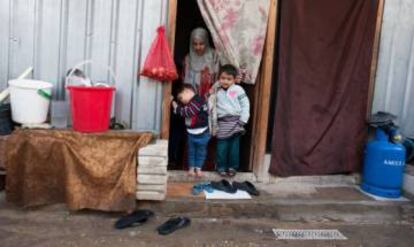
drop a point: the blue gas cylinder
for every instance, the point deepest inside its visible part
(384, 165)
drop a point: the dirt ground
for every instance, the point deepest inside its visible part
(55, 226)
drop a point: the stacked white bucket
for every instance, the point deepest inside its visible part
(29, 99)
(152, 172)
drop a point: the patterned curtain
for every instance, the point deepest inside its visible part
(238, 29)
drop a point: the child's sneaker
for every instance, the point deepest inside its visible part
(222, 173)
(231, 172)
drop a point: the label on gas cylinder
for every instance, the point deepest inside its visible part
(394, 163)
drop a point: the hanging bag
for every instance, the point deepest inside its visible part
(159, 64)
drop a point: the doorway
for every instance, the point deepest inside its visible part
(188, 17)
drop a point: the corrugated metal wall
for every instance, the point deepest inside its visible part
(54, 35)
(394, 85)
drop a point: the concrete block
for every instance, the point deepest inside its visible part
(152, 161)
(152, 187)
(157, 170)
(161, 142)
(150, 196)
(152, 179)
(160, 149)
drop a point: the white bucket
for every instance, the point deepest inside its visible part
(28, 104)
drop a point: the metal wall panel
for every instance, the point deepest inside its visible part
(145, 114)
(4, 42)
(54, 35)
(394, 84)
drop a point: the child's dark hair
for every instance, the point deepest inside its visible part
(228, 69)
(184, 87)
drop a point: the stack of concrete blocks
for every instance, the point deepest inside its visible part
(152, 172)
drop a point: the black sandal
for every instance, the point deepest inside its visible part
(248, 187)
(135, 218)
(173, 224)
(223, 185)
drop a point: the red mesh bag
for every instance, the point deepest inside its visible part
(159, 64)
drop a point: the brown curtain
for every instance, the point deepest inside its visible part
(324, 68)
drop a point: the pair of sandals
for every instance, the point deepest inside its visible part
(200, 187)
(226, 186)
(229, 173)
(141, 216)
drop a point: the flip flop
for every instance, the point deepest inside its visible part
(223, 185)
(197, 189)
(248, 187)
(208, 188)
(200, 187)
(135, 218)
(173, 224)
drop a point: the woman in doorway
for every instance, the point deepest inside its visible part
(201, 64)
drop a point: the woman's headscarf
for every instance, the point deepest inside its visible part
(197, 63)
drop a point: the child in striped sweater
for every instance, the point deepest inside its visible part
(233, 112)
(194, 109)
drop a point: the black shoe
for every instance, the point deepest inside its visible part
(246, 186)
(135, 218)
(173, 224)
(223, 185)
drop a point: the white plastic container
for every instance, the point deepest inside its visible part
(29, 100)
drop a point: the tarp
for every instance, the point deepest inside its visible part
(94, 171)
(324, 71)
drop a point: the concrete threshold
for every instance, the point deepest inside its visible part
(327, 180)
(181, 176)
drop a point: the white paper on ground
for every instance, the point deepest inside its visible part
(221, 195)
(380, 198)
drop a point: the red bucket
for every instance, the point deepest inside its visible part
(91, 107)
